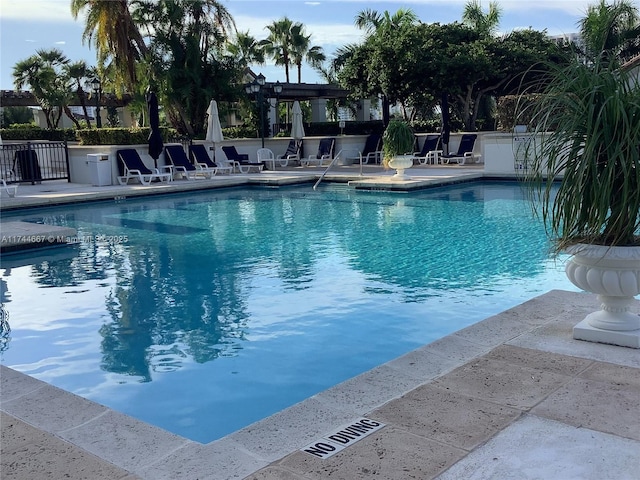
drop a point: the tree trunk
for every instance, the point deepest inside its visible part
(385, 111)
(83, 103)
(68, 113)
(57, 115)
(48, 117)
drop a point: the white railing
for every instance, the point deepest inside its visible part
(345, 154)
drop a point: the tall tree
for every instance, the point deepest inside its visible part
(373, 22)
(79, 74)
(187, 58)
(610, 32)
(278, 44)
(44, 74)
(384, 35)
(301, 49)
(483, 23)
(246, 50)
(109, 26)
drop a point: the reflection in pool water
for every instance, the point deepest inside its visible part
(203, 313)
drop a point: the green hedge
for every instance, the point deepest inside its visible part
(137, 136)
(119, 135)
(29, 133)
(321, 129)
(243, 131)
(92, 136)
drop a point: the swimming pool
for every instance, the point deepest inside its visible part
(203, 313)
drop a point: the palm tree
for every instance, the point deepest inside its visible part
(301, 50)
(611, 32)
(373, 22)
(110, 27)
(43, 73)
(246, 50)
(483, 23)
(188, 40)
(79, 73)
(278, 43)
(381, 26)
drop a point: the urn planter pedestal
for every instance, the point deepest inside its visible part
(613, 273)
(400, 163)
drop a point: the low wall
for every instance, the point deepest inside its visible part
(498, 152)
(504, 153)
(80, 168)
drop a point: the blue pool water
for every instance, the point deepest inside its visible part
(205, 312)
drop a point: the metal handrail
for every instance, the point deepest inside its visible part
(335, 158)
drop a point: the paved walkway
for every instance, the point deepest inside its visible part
(512, 397)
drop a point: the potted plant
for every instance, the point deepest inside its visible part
(585, 170)
(397, 140)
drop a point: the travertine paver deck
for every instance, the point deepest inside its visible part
(512, 397)
(451, 409)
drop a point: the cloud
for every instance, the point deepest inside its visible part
(37, 10)
(574, 7)
(61, 42)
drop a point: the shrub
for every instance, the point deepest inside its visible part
(29, 133)
(119, 136)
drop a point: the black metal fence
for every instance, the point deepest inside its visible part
(34, 162)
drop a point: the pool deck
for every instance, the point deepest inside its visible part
(511, 397)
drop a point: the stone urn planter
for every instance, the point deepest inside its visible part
(400, 163)
(613, 273)
(582, 171)
(397, 140)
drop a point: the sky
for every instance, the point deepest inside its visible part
(29, 25)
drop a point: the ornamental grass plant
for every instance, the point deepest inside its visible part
(584, 164)
(398, 139)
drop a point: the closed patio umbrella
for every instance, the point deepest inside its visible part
(446, 127)
(297, 127)
(214, 129)
(155, 137)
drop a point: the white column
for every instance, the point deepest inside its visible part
(272, 115)
(319, 110)
(364, 110)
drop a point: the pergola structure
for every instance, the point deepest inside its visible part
(23, 98)
(316, 93)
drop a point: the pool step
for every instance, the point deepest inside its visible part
(18, 236)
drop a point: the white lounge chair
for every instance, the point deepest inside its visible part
(291, 154)
(241, 160)
(371, 151)
(266, 156)
(182, 165)
(134, 168)
(325, 152)
(430, 152)
(200, 157)
(465, 150)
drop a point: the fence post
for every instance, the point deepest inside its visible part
(66, 159)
